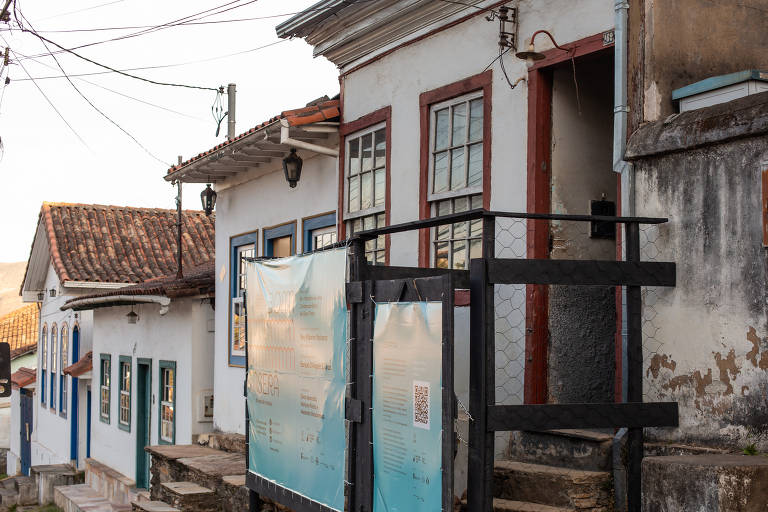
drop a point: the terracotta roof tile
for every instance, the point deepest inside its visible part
(122, 244)
(23, 377)
(84, 365)
(328, 110)
(19, 329)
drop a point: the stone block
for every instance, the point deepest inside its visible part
(26, 489)
(47, 477)
(575, 449)
(189, 496)
(705, 483)
(153, 506)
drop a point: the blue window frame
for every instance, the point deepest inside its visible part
(315, 232)
(274, 236)
(54, 341)
(44, 361)
(240, 246)
(63, 363)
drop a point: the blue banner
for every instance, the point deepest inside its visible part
(407, 407)
(297, 333)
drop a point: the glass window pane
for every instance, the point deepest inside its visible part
(475, 249)
(476, 228)
(357, 225)
(440, 177)
(459, 254)
(370, 245)
(458, 179)
(368, 222)
(366, 191)
(461, 204)
(367, 152)
(475, 165)
(379, 187)
(354, 194)
(441, 129)
(380, 257)
(444, 207)
(354, 156)
(459, 124)
(381, 148)
(441, 255)
(460, 230)
(381, 220)
(476, 119)
(477, 201)
(443, 232)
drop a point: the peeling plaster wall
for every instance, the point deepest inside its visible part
(706, 341)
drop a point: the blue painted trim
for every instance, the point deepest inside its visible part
(279, 232)
(88, 423)
(309, 225)
(73, 433)
(234, 243)
(717, 82)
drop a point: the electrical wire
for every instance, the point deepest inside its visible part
(49, 100)
(486, 9)
(160, 66)
(97, 109)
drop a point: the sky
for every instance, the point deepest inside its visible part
(79, 156)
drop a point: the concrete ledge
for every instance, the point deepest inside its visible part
(744, 117)
(106, 481)
(705, 483)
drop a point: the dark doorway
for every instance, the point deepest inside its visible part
(143, 420)
(75, 413)
(26, 430)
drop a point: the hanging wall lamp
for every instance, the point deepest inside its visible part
(292, 168)
(208, 198)
(132, 317)
(531, 55)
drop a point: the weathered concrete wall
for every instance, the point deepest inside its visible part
(706, 341)
(674, 44)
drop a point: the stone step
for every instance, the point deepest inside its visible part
(551, 485)
(575, 449)
(83, 498)
(501, 505)
(152, 506)
(26, 487)
(49, 476)
(142, 496)
(8, 498)
(188, 496)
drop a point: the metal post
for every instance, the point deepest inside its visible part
(179, 273)
(481, 376)
(634, 376)
(231, 93)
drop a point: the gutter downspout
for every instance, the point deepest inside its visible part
(625, 169)
(285, 138)
(162, 300)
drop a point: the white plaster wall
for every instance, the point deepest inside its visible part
(243, 208)
(51, 436)
(14, 452)
(181, 336)
(447, 57)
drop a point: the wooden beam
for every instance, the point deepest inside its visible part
(504, 418)
(581, 272)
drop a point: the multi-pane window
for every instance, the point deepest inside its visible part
(63, 387)
(455, 244)
(44, 359)
(366, 187)
(106, 368)
(124, 417)
(456, 177)
(242, 248)
(54, 359)
(167, 402)
(323, 237)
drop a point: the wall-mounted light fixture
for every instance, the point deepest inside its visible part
(531, 55)
(132, 317)
(292, 168)
(52, 292)
(40, 296)
(208, 198)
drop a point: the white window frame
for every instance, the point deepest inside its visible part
(167, 404)
(237, 300)
(125, 394)
(465, 191)
(350, 216)
(329, 230)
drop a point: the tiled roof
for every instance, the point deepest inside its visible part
(196, 281)
(322, 111)
(84, 365)
(122, 244)
(23, 377)
(19, 329)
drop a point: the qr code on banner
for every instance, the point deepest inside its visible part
(421, 404)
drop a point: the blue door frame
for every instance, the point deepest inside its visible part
(143, 420)
(74, 415)
(25, 432)
(88, 424)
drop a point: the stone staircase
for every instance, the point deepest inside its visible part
(104, 490)
(555, 471)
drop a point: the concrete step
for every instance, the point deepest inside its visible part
(152, 506)
(575, 449)
(551, 485)
(188, 496)
(109, 483)
(26, 487)
(142, 496)
(49, 476)
(83, 498)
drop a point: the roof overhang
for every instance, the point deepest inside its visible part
(108, 301)
(347, 31)
(259, 152)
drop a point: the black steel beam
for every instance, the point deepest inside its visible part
(581, 272)
(381, 272)
(502, 418)
(281, 495)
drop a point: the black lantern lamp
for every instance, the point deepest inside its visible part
(40, 296)
(208, 198)
(132, 317)
(292, 168)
